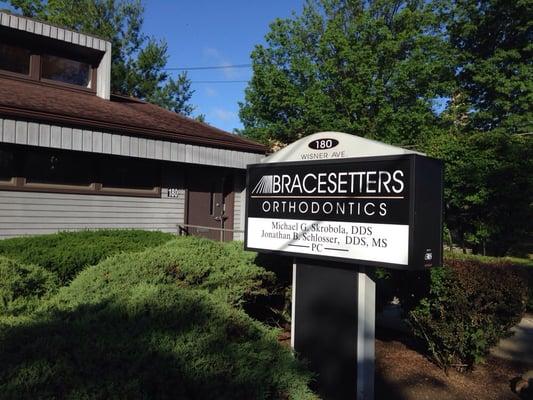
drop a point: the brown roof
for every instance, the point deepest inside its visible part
(57, 105)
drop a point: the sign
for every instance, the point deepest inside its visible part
(172, 192)
(376, 211)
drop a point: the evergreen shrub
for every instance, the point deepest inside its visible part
(67, 253)
(22, 286)
(164, 323)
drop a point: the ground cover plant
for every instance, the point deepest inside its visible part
(166, 322)
(67, 253)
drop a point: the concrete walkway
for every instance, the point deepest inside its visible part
(519, 346)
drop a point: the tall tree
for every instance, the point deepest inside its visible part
(371, 68)
(138, 61)
(494, 43)
(487, 146)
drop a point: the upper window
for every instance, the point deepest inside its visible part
(66, 70)
(48, 62)
(14, 59)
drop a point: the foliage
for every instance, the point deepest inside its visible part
(150, 341)
(224, 270)
(470, 306)
(369, 68)
(488, 189)
(163, 323)
(138, 61)
(67, 253)
(493, 40)
(22, 287)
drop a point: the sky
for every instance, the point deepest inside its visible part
(211, 33)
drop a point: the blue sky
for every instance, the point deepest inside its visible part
(210, 32)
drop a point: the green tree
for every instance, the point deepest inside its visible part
(494, 43)
(369, 68)
(138, 61)
(487, 142)
(488, 188)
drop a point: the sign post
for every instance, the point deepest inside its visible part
(339, 205)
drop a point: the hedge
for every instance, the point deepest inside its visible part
(151, 341)
(67, 253)
(224, 270)
(471, 304)
(167, 322)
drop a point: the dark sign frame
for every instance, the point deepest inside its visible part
(425, 210)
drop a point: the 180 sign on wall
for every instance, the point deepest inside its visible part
(370, 211)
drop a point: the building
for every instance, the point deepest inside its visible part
(74, 156)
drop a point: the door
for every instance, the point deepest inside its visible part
(210, 203)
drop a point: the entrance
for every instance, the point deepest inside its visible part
(210, 203)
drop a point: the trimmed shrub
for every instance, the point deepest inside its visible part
(67, 253)
(470, 306)
(150, 341)
(22, 287)
(165, 323)
(224, 270)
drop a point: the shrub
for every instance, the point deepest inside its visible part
(67, 253)
(470, 306)
(23, 286)
(157, 324)
(149, 341)
(223, 269)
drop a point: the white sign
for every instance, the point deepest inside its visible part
(374, 242)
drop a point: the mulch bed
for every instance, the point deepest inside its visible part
(403, 372)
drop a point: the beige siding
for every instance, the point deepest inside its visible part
(32, 213)
(44, 29)
(44, 135)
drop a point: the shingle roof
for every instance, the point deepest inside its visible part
(46, 103)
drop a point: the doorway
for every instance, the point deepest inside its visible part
(210, 203)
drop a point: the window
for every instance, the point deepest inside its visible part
(46, 170)
(48, 63)
(7, 164)
(14, 59)
(57, 167)
(66, 70)
(128, 173)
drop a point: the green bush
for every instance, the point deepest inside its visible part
(150, 341)
(22, 287)
(67, 253)
(224, 270)
(470, 306)
(165, 323)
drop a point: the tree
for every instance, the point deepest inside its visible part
(369, 68)
(138, 61)
(488, 188)
(493, 40)
(487, 141)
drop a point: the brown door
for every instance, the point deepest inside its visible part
(210, 203)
